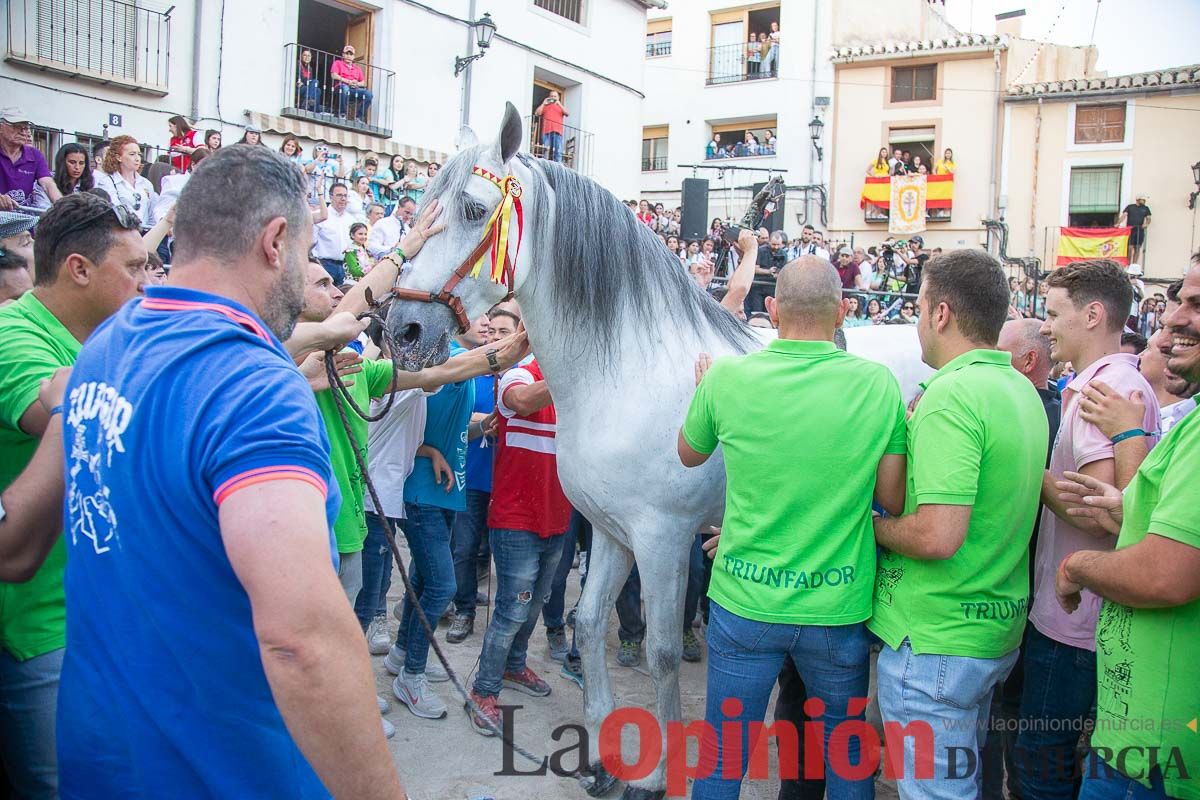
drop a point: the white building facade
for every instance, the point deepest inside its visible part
(92, 69)
(702, 80)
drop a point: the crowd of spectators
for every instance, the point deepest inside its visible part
(750, 145)
(904, 162)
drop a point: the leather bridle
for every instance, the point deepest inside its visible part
(495, 239)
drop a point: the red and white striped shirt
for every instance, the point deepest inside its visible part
(526, 494)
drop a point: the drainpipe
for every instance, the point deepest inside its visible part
(812, 176)
(464, 118)
(1037, 149)
(197, 19)
(992, 200)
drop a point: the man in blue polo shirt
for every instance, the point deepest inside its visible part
(269, 693)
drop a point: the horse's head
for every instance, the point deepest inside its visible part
(478, 197)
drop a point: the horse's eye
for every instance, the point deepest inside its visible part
(473, 212)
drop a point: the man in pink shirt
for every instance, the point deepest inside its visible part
(1086, 308)
(349, 83)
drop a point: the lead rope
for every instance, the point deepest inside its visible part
(340, 396)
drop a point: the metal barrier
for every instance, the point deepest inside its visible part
(310, 92)
(107, 41)
(730, 63)
(574, 148)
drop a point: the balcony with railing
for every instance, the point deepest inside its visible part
(654, 164)
(109, 42)
(730, 63)
(572, 148)
(311, 92)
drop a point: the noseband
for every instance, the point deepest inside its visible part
(496, 238)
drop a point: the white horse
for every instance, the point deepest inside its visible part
(616, 325)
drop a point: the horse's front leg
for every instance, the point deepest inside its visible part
(608, 569)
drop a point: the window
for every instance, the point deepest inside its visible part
(730, 57)
(47, 140)
(917, 141)
(1095, 198)
(568, 9)
(1099, 124)
(658, 38)
(654, 149)
(914, 83)
(743, 139)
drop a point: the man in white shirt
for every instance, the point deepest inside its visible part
(386, 233)
(331, 238)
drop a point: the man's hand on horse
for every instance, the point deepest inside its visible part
(341, 328)
(709, 546)
(313, 369)
(510, 349)
(422, 229)
(703, 362)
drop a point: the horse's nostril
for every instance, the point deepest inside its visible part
(409, 334)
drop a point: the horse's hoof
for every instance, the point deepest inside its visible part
(633, 793)
(599, 783)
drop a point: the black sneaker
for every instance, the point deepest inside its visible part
(462, 627)
(630, 654)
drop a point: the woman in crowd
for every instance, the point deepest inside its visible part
(212, 140)
(917, 163)
(384, 180)
(752, 147)
(875, 311)
(922, 170)
(121, 181)
(1147, 321)
(908, 313)
(644, 214)
(253, 135)
(771, 56)
(753, 57)
(308, 87)
(879, 167)
(855, 316)
(183, 142)
(673, 246)
(71, 171)
(692, 252)
(716, 230)
(292, 149)
(945, 165)
(432, 170)
(1024, 299)
(769, 142)
(413, 182)
(360, 198)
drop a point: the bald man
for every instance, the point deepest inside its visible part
(792, 577)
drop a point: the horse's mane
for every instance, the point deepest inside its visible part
(607, 264)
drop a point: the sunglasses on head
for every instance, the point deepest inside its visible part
(125, 218)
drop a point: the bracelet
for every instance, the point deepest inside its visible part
(400, 253)
(56, 409)
(493, 362)
(1129, 434)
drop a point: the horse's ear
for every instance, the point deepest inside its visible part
(466, 138)
(509, 140)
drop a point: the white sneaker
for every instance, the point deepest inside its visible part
(378, 639)
(389, 730)
(394, 663)
(384, 705)
(414, 692)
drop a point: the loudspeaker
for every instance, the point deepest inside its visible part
(694, 224)
(774, 220)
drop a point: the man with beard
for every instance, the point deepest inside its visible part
(268, 690)
(1146, 648)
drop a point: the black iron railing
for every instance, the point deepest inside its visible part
(741, 150)
(107, 41)
(311, 91)
(569, 9)
(731, 63)
(658, 44)
(572, 148)
(654, 164)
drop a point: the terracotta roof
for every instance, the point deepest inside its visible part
(965, 41)
(1157, 80)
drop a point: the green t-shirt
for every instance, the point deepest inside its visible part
(977, 438)
(1148, 659)
(33, 343)
(802, 426)
(350, 528)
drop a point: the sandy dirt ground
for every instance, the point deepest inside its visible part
(447, 760)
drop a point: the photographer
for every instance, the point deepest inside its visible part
(552, 113)
(771, 258)
(894, 267)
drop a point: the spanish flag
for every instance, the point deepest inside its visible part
(1077, 244)
(939, 192)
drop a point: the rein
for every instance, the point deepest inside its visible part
(497, 238)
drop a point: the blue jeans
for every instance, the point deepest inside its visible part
(1056, 704)
(744, 660)
(336, 269)
(1102, 782)
(771, 62)
(358, 94)
(376, 570)
(308, 94)
(525, 565)
(431, 576)
(695, 582)
(951, 695)
(629, 609)
(552, 142)
(469, 527)
(555, 605)
(28, 704)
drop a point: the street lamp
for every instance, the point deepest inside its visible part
(814, 132)
(484, 28)
(1196, 179)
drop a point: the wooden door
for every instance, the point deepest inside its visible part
(358, 34)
